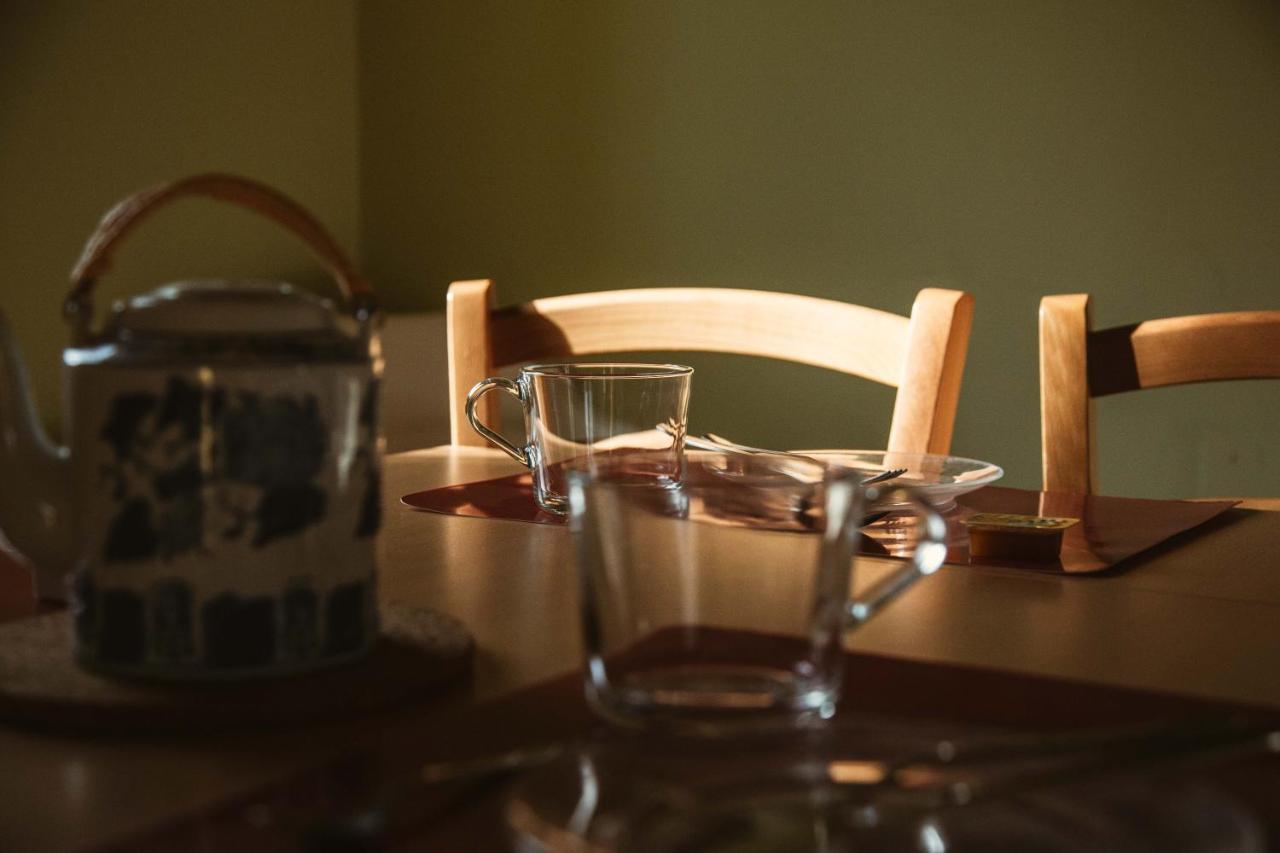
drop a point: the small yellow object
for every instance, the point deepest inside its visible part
(1016, 537)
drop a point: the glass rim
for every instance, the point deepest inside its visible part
(586, 370)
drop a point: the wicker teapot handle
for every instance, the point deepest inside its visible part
(95, 260)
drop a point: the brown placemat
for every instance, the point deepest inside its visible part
(509, 498)
(1111, 529)
(419, 651)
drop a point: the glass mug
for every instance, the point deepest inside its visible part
(697, 620)
(577, 412)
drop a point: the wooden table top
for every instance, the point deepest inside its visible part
(1199, 616)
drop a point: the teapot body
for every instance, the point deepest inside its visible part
(225, 503)
(216, 509)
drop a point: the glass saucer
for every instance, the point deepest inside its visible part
(591, 798)
(938, 479)
(783, 816)
(824, 795)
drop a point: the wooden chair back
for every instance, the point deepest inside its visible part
(923, 355)
(1078, 364)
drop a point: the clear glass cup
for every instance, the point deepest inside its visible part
(721, 604)
(583, 413)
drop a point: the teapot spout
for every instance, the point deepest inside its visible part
(34, 478)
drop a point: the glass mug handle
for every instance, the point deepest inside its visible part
(927, 557)
(520, 454)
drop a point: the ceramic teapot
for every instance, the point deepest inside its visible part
(215, 509)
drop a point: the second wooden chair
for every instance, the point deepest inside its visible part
(1078, 364)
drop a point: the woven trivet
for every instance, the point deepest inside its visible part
(419, 651)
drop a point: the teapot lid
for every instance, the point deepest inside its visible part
(208, 321)
(211, 308)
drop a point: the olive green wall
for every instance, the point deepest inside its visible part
(854, 150)
(98, 99)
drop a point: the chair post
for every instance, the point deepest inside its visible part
(470, 356)
(1067, 435)
(924, 413)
